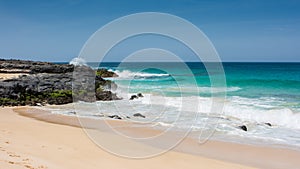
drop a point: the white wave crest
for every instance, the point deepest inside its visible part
(218, 89)
(78, 62)
(126, 74)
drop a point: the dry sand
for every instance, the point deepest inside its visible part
(29, 143)
(4, 76)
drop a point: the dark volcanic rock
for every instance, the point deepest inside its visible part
(139, 115)
(140, 95)
(52, 83)
(115, 117)
(268, 124)
(243, 127)
(133, 97)
(90, 87)
(20, 66)
(106, 95)
(106, 84)
(136, 96)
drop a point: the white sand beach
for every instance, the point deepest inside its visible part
(36, 141)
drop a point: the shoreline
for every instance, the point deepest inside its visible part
(65, 119)
(30, 143)
(243, 154)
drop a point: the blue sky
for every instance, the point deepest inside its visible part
(241, 30)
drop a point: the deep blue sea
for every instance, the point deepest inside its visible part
(256, 94)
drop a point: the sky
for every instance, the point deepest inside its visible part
(240, 30)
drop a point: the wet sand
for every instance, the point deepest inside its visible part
(34, 138)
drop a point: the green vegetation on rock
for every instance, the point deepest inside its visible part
(6, 101)
(60, 97)
(61, 93)
(105, 73)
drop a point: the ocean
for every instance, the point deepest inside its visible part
(265, 97)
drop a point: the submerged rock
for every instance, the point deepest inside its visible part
(115, 117)
(133, 97)
(139, 115)
(140, 95)
(243, 127)
(136, 96)
(268, 124)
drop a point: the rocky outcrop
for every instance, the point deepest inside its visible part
(50, 83)
(21, 66)
(37, 88)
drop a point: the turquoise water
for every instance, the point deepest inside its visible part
(247, 80)
(181, 96)
(256, 93)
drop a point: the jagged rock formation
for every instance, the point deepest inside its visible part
(50, 83)
(32, 67)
